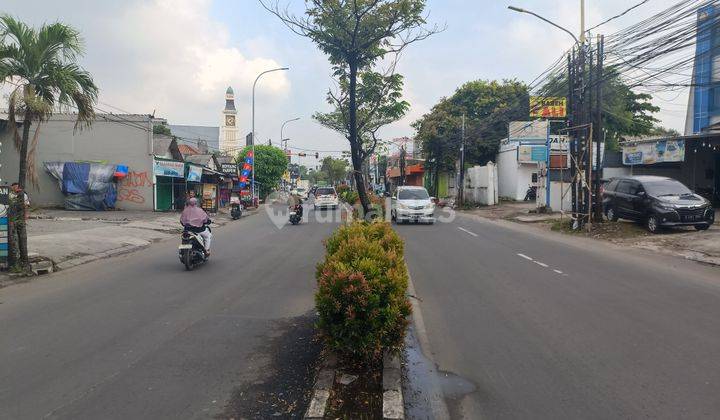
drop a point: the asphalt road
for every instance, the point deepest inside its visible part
(524, 324)
(138, 337)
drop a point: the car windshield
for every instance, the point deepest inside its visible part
(666, 188)
(413, 195)
(325, 191)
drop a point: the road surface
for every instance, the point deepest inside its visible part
(138, 337)
(525, 324)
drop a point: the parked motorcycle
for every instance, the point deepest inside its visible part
(296, 214)
(192, 247)
(531, 193)
(236, 210)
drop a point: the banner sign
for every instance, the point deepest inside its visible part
(194, 173)
(4, 204)
(169, 168)
(654, 152)
(246, 169)
(531, 153)
(229, 169)
(548, 107)
(528, 130)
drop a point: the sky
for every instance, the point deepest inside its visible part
(176, 58)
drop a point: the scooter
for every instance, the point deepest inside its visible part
(531, 193)
(192, 247)
(295, 214)
(236, 210)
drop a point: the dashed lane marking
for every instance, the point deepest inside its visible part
(467, 231)
(541, 264)
(525, 256)
(558, 271)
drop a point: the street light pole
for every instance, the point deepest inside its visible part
(283, 139)
(521, 10)
(253, 124)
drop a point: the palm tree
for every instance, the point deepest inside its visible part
(41, 64)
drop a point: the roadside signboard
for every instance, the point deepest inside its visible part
(169, 168)
(528, 153)
(194, 173)
(548, 107)
(229, 169)
(654, 152)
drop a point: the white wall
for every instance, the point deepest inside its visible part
(556, 191)
(507, 173)
(481, 184)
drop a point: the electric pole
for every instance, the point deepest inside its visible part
(461, 186)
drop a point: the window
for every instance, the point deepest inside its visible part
(325, 191)
(635, 188)
(666, 187)
(624, 187)
(418, 194)
(612, 185)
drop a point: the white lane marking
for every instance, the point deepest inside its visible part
(467, 231)
(525, 256)
(558, 271)
(541, 264)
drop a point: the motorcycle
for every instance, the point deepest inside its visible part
(236, 210)
(531, 193)
(192, 247)
(296, 214)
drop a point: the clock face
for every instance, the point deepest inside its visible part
(230, 121)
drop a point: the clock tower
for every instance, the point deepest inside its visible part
(228, 129)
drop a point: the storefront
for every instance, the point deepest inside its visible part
(693, 160)
(210, 190)
(228, 181)
(169, 183)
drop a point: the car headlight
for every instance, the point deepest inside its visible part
(430, 206)
(666, 206)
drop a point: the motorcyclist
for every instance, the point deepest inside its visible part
(194, 219)
(296, 205)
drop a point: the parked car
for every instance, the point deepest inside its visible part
(412, 204)
(326, 197)
(656, 201)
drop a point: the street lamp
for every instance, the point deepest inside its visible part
(521, 10)
(283, 139)
(253, 123)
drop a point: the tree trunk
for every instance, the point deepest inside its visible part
(20, 231)
(354, 141)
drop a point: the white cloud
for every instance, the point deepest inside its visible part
(175, 59)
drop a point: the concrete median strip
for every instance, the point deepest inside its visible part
(393, 406)
(321, 389)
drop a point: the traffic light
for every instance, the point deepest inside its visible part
(317, 155)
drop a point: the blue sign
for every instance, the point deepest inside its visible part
(538, 154)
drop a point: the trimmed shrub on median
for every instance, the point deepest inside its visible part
(361, 297)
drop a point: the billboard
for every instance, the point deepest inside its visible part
(548, 107)
(654, 152)
(169, 168)
(529, 153)
(229, 168)
(194, 173)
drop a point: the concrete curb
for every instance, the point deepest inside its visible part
(321, 389)
(393, 405)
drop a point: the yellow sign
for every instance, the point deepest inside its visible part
(548, 107)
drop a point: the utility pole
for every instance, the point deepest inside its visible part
(402, 164)
(461, 187)
(598, 127)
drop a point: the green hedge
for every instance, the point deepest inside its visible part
(361, 299)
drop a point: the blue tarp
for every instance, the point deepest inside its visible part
(87, 186)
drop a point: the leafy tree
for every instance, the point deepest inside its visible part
(161, 129)
(661, 131)
(303, 170)
(270, 165)
(355, 35)
(336, 169)
(317, 177)
(488, 107)
(42, 65)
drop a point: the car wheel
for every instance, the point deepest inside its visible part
(611, 215)
(652, 224)
(702, 227)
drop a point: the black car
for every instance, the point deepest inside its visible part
(656, 201)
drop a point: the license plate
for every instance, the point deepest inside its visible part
(692, 218)
(185, 246)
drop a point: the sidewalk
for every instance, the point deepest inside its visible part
(69, 238)
(686, 242)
